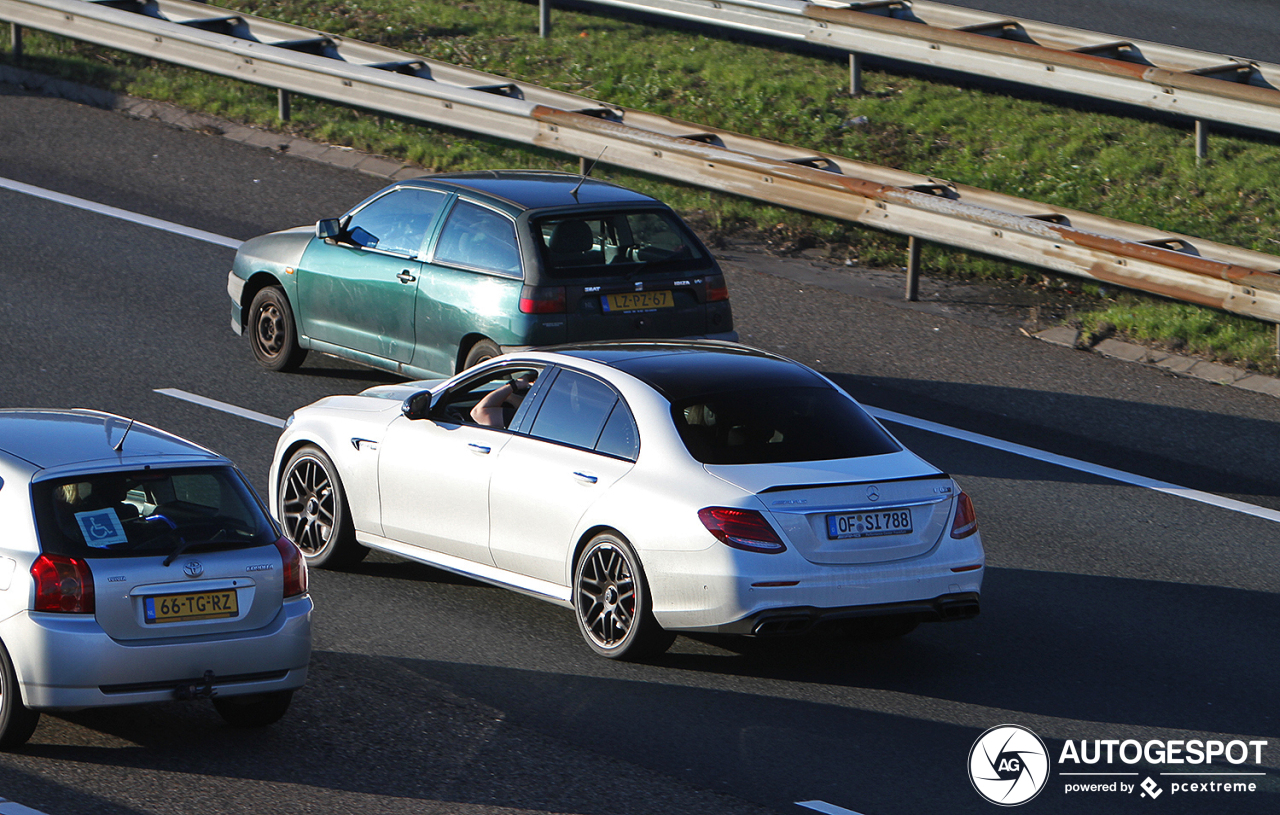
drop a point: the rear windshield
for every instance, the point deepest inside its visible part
(617, 244)
(149, 512)
(767, 425)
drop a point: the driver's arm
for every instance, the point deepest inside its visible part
(488, 411)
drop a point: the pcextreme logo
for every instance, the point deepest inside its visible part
(1009, 765)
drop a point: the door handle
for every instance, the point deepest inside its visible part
(406, 276)
(479, 449)
(585, 478)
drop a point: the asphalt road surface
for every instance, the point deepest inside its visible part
(1111, 611)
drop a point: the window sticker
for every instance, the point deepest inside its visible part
(101, 528)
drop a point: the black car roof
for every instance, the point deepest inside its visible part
(536, 190)
(682, 369)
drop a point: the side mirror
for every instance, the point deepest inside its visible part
(328, 229)
(418, 406)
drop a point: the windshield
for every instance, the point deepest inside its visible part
(769, 425)
(149, 512)
(616, 244)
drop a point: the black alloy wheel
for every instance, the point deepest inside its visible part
(314, 511)
(611, 601)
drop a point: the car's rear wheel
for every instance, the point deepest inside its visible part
(255, 710)
(314, 511)
(611, 602)
(17, 721)
(273, 332)
(482, 351)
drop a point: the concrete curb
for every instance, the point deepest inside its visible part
(1192, 367)
(391, 169)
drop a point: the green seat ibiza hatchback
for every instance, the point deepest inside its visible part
(433, 275)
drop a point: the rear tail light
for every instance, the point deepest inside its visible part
(63, 584)
(966, 520)
(717, 289)
(743, 529)
(542, 300)
(295, 568)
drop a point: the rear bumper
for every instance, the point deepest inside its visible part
(785, 621)
(66, 661)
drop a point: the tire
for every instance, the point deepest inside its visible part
(273, 334)
(482, 351)
(17, 721)
(611, 602)
(314, 511)
(254, 710)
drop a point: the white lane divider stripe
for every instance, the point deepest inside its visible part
(825, 808)
(122, 214)
(1077, 464)
(225, 407)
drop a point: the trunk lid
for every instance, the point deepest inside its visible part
(851, 511)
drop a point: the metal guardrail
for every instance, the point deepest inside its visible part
(371, 77)
(1165, 78)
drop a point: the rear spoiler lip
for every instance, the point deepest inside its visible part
(787, 487)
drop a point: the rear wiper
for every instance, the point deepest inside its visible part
(183, 545)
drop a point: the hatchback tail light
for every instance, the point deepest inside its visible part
(717, 289)
(542, 300)
(742, 529)
(63, 584)
(966, 520)
(295, 568)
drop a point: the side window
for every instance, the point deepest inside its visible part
(397, 222)
(620, 437)
(574, 411)
(493, 400)
(479, 238)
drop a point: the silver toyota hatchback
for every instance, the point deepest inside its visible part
(137, 566)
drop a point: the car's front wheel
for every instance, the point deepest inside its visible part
(17, 721)
(611, 602)
(315, 513)
(257, 710)
(273, 332)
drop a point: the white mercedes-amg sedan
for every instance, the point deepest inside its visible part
(652, 487)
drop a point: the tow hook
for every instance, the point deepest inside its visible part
(202, 690)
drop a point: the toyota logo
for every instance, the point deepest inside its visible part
(193, 568)
(873, 493)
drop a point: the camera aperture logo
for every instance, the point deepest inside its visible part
(1008, 765)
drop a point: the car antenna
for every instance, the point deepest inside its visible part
(120, 444)
(586, 172)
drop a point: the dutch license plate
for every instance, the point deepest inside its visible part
(177, 608)
(638, 301)
(869, 524)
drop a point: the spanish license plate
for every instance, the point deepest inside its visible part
(638, 301)
(869, 524)
(177, 608)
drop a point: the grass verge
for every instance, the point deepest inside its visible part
(1132, 169)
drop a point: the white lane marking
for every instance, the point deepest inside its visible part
(824, 807)
(1082, 466)
(122, 214)
(225, 407)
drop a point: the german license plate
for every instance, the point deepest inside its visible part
(177, 608)
(638, 301)
(869, 524)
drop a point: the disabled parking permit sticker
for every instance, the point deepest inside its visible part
(101, 527)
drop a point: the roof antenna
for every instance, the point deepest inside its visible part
(120, 444)
(586, 172)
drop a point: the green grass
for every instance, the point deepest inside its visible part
(1131, 169)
